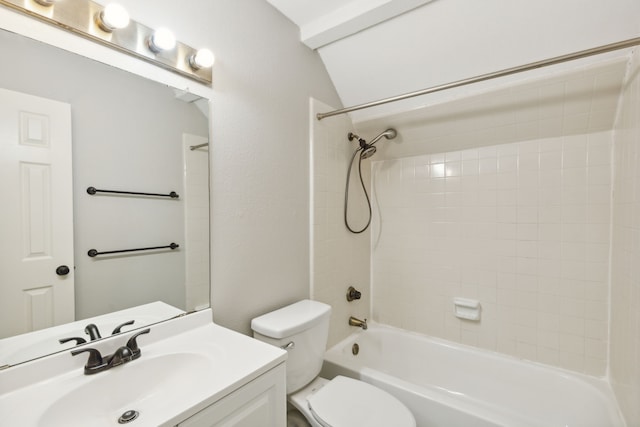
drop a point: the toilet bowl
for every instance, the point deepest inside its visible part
(345, 402)
(302, 329)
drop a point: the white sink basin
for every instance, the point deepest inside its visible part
(186, 365)
(144, 385)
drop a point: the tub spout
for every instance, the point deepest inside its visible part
(357, 322)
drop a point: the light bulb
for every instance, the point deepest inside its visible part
(203, 58)
(113, 17)
(162, 39)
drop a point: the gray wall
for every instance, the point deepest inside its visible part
(260, 163)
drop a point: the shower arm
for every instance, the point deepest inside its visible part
(376, 139)
(528, 67)
(389, 134)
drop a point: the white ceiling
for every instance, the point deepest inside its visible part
(302, 12)
(374, 49)
(325, 22)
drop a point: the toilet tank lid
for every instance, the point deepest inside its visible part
(291, 319)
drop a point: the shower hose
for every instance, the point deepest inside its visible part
(364, 189)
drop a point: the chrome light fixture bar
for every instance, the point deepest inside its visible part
(90, 20)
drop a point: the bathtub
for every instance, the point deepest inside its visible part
(451, 385)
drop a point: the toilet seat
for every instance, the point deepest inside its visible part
(345, 402)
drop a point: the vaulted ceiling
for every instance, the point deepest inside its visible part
(375, 49)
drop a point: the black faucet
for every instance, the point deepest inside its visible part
(120, 357)
(96, 363)
(118, 328)
(78, 340)
(92, 331)
(132, 344)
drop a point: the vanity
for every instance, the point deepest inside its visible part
(191, 372)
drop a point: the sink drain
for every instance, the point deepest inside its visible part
(128, 416)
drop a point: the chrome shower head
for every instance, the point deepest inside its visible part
(367, 149)
(389, 134)
(367, 152)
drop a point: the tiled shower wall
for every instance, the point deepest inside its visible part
(522, 227)
(625, 264)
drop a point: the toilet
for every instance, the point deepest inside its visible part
(302, 329)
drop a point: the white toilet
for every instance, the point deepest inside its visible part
(302, 329)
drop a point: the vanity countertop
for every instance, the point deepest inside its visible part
(186, 365)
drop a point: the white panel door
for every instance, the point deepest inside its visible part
(36, 214)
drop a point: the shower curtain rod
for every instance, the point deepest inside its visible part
(489, 76)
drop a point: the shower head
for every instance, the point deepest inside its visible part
(367, 152)
(389, 134)
(367, 149)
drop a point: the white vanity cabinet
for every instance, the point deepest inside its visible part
(259, 403)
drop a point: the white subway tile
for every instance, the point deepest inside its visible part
(572, 344)
(550, 160)
(453, 168)
(550, 179)
(528, 196)
(549, 250)
(488, 165)
(528, 179)
(599, 175)
(572, 325)
(521, 226)
(599, 194)
(574, 213)
(437, 170)
(507, 163)
(527, 214)
(574, 158)
(470, 167)
(549, 268)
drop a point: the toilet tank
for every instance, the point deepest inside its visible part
(302, 329)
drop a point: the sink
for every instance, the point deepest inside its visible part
(144, 385)
(186, 365)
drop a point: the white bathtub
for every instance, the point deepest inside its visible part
(452, 385)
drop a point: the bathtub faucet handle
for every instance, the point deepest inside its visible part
(353, 293)
(353, 321)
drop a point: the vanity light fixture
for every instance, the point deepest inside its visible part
(162, 40)
(203, 58)
(111, 26)
(112, 17)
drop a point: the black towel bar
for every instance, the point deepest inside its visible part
(93, 252)
(94, 190)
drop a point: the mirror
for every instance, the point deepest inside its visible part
(128, 134)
